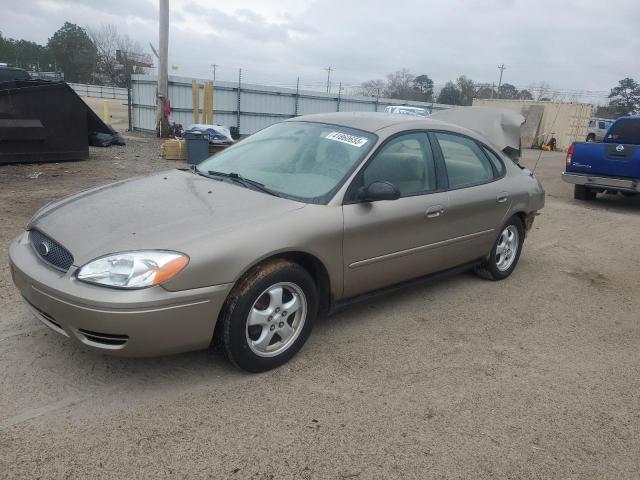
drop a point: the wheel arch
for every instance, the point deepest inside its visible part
(525, 218)
(311, 263)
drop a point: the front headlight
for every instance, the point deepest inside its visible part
(133, 269)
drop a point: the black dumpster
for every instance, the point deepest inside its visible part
(42, 121)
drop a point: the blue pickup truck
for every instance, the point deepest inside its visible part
(611, 166)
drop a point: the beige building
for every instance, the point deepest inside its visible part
(567, 122)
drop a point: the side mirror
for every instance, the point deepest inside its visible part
(379, 191)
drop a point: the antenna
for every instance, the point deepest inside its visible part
(153, 49)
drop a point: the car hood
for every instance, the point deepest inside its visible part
(167, 210)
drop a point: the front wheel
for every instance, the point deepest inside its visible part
(269, 315)
(505, 254)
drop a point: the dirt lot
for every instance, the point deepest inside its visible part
(535, 377)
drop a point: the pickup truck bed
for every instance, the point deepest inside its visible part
(612, 166)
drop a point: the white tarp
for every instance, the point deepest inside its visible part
(217, 133)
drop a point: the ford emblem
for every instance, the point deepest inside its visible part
(619, 148)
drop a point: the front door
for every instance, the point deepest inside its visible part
(389, 241)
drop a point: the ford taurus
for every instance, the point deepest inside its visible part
(251, 246)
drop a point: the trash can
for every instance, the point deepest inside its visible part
(197, 147)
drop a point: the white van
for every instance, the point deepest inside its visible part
(407, 110)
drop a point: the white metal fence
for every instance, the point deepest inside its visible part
(246, 106)
(98, 91)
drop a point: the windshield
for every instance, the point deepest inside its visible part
(625, 131)
(299, 160)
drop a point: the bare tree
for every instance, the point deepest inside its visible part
(400, 85)
(543, 92)
(108, 42)
(372, 88)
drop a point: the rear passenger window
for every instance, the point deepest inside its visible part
(495, 161)
(407, 162)
(465, 162)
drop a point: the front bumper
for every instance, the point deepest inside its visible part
(624, 184)
(132, 323)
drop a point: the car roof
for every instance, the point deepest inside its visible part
(372, 121)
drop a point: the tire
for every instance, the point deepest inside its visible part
(580, 192)
(257, 333)
(591, 138)
(505, 253)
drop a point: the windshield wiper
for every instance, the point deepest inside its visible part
(245, 182)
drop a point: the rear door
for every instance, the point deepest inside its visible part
(479, 196)
(386, 242)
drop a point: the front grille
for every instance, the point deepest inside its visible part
(50, 251)
(107, 340)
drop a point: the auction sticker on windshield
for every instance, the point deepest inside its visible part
(348, 139)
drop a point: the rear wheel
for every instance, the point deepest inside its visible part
(269, 315)
(591, 138)
(580, 192)
(505, 254)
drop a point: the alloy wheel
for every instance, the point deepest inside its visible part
(507, 248)
(276, 319)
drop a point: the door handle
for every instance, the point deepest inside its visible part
(502, 197)
(435, 211)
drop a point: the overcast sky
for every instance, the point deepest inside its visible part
(583, 45)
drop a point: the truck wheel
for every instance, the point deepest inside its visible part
(580, 192)
(591, 138)
(268, 315)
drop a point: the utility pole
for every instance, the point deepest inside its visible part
(214, 65)
(329, 70)
(502, 68)
(162, 123)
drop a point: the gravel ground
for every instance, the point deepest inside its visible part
(534, 377)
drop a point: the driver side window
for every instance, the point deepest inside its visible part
(407, 162)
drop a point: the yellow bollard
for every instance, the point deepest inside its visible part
(106, 117)
(195, 91)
